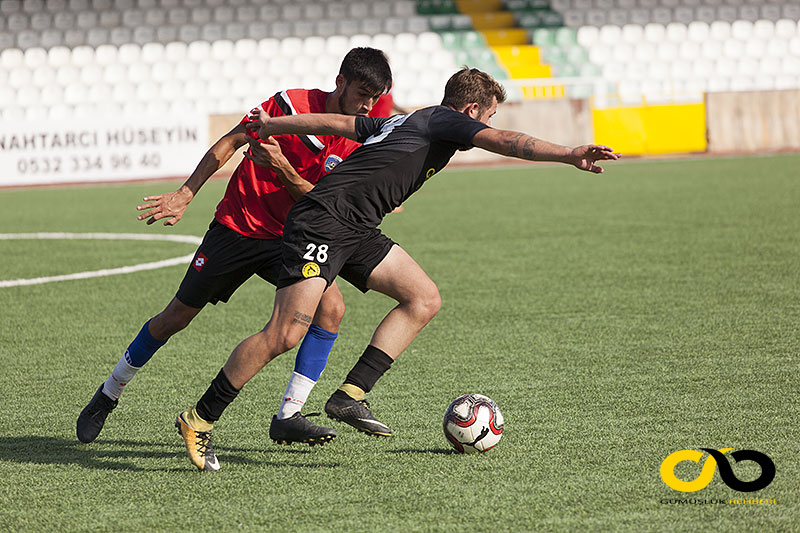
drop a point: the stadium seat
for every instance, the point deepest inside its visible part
(58, 56)
(733, 49)
(742, 30)
(610, 35)
(654, 33)
(720, 30)
(114, 73)
(698, 31)
(105, 54)
(712, 49)
(151, 52)
(176, 51)
(633, 33)
(588, 35)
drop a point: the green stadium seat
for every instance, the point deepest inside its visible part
(529, 19)
(445, 7)
(551, 19)
(576, 54)
(461, 22)
(565, 70)
(565, 36)
(543, 37)
(451, 40)
(425, 7)
(553, 55)
(472, 39)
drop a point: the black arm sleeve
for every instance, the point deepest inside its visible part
(448, 125)
(367, 126)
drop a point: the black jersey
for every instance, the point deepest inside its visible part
(397, 156)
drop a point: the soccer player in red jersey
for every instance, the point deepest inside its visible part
(244, 237)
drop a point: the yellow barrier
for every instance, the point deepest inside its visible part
(652, 129)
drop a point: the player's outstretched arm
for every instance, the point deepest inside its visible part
(172, 205)
(269, 154)
(523, 146)
(306, 123)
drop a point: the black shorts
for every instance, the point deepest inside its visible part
(225, 260)
(317, 244)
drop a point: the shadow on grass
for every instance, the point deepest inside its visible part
(123, 454)
(432, 451)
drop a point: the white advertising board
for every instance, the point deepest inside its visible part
(96, 150)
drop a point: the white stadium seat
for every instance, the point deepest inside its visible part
(610, 35)
(698, 31)
(632, 33)
(152, 52)
(129, 53)
(742, 30)
(587, 36)
(786, 29)
(733, 48)
(720, 30)
(115, 73)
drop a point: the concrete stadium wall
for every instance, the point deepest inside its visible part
(219, 125)
(759, 121)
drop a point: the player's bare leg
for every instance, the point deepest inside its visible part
(292, 314)
(401, 278)
(289, 425)
(175, 317)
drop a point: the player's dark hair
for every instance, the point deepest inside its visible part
(470, 85)
(368, 66)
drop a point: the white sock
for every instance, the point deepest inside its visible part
(119, 377)
(296, 394)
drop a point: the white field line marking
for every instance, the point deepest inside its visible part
(189, 239)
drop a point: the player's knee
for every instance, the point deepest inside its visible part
(330, 312)
(427, 303)
(287, 338)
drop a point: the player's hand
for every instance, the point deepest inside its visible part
(258, 119)
(265, 154)
(171, 206)
(584, 157)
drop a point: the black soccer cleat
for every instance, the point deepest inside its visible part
(91, 420)
(345, 409)
(297, 428)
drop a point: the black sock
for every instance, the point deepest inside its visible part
(369, 368)
(218, 396)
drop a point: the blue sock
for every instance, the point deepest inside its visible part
(143, 347)
(313, 354)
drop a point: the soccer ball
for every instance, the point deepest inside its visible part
(473, 423)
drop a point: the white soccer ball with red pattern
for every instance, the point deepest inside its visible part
(473, 423)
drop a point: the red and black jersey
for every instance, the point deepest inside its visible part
(256, 202)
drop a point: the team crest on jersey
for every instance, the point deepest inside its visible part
(310, 270)
(331, 162)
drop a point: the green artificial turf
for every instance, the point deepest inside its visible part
(615, 319)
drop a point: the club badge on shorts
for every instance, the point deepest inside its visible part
(310, 270)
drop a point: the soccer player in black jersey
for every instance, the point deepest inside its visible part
(332, 230)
